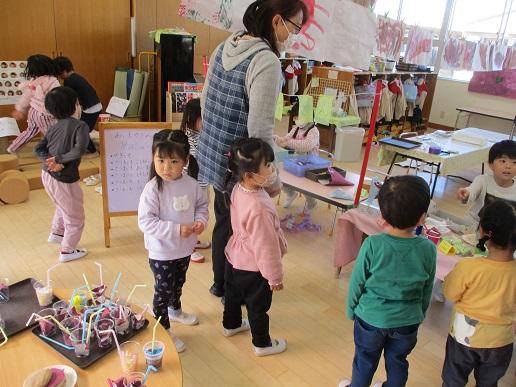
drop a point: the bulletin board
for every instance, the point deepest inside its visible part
(11, 77)
(324, 78)
(125, 159)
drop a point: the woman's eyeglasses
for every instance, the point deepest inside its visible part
(297, 28)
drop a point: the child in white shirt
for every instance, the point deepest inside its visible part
(173, 211)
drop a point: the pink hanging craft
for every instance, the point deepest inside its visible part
(419, 46)
(389, 38)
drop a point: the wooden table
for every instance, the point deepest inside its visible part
(460, 155)
(485, 113)
(24, 353)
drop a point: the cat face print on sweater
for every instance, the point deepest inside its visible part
(181, 203)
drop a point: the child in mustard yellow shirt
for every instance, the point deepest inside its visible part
(484, 293)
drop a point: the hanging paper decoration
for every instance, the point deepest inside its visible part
(482, 57)
(510, 58)
(419, 46)
(338, 31)
(458, 54)
(389, 38)
(498, 52)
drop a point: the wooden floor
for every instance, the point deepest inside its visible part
(309, 312)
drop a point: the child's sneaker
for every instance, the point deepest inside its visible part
(182, 317)
(344, 383)
(76, 254)
(180, 344)
(203, 245)
(242, 328)
(290, 199)
(278, 346)
(55, 238)
(197, 257)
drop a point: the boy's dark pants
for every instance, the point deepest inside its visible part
(396, 343)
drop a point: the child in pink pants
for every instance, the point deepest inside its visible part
(61, 150)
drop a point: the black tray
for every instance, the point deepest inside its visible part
(400, 142)
(22, 303)
(322, 173)
(96, 353)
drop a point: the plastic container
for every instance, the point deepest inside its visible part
(298, 165)
(348, 143)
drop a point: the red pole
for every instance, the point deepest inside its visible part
(374, 114)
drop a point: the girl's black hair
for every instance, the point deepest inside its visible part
(498, 222)
(62, 64)
(294, 112)
(258, 18)
(168, 143)
(61, 102)
(503, 148)
(246, 155)
(38, 66)
(191, 113)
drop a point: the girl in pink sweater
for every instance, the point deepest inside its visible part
(41, 78)
(255, 249)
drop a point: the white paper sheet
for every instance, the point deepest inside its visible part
(8, 127)
(117, 106)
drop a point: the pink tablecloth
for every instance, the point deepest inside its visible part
(348, 239)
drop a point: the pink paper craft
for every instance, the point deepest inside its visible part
(389, 38)
(419, 46)
(58, 376)
(510, 58)
(337, 179)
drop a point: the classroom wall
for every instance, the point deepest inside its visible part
(154, 14)
(452, 94)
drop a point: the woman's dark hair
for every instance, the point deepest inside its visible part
(258, 17)
(63, 64)
(498, 222)
(403, 199)
(246, 155)
(191, 113)
(502, 148)
(39, 65)
(168, 143)
(61, 102)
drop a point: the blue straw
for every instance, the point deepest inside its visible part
(57, 343)
(149, 369)
(115, 286)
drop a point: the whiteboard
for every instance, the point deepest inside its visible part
(128, 157)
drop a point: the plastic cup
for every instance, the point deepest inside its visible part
(129, 355)
(99, 293)
(70, 323)
(136, 324)
(4, 290)
(121, 319)
(104, 340)
(81, 348)
(47, 326)
(61, 308)
(44, 293)
(135, 379)
(154, 357)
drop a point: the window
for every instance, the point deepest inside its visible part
(474, 20)
(418, 13)
(387, 7)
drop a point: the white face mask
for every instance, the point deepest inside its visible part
(286, 45)
(268, 180)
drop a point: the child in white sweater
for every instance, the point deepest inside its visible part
(173, 211)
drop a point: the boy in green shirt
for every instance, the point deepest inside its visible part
(391, 284)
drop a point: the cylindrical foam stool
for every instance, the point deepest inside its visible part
(14, 187)
(8, 162)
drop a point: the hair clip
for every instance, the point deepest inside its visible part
(481, 245)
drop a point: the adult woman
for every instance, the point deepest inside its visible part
(238, 100)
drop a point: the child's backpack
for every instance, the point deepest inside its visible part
(417, 116)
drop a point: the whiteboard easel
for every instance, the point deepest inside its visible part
(125, 159)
